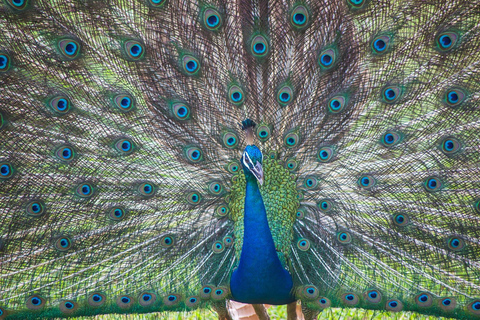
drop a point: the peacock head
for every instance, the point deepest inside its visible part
(252, 157)
(252, 160)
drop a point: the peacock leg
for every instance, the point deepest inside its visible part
(261, 311)
(221, 309)
(292, 311)
(310, 314)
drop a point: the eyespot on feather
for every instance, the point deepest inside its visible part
(433, 184)
(5, 62)
(194, 198)
(35, 208)
(366, 182)
(391, 94)
(259, 46)
(447, 304)
(401, 219)
(124, 102)
(146, 299)
(157, 4)
(85, 190)
(133, 50)
(60, 105)
(373, 296)
(446, 41)
(394, 305)
(349, 298)
(206, 292)
(291, 164)
(218, 247)
(454, 97)
(310, 292)
(96, 299)
(236, 95)
(35, 302)
(117, 213)
(230, 140)
(323, 302)
(344, 237)
(69, 48)
(211, 19)
(303, 244)
(300, 17)
(17, 5)
(192, 302)
(124, 301)
(191, 65)
(146, 189)
(172, 299)
(424, 300)
(327, 59)
(285, 95)
(263, 132)
(181, 111)
(455, 243)
(291, 140)
(474, 307)
(68, 306)
(167, 241)
(193, 154)
(220, 293)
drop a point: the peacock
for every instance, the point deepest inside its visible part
(172, 155)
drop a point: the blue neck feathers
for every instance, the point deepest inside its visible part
(260, 277)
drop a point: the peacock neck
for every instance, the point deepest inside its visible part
(257, 239)
(260, 277)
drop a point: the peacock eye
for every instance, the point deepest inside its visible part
(327, 59)
(299, 18)
(433, 184)
(373, 296)
(218, 247)
(446, 41)
(455, 243)
(394, 305)
(380, 44)
(60, 105)
(344, 237)
(336, 104)
(450, 145)
(424, 300)
(236, 95)
(69, 48)
(4, 62)
(285, 95)
(259, 46)
(366, 182)
(391, 138)
(156, 3)
(391, 94)
(17, 5)
(325, 154)
(303, 244)
(356, 4)
(230, 140)
(454, 97)
(401, 219)
(6, 170)
(167, 241)
(133, 50)
(191, 65)
(212, 19)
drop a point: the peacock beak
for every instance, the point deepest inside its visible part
(258, 172)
